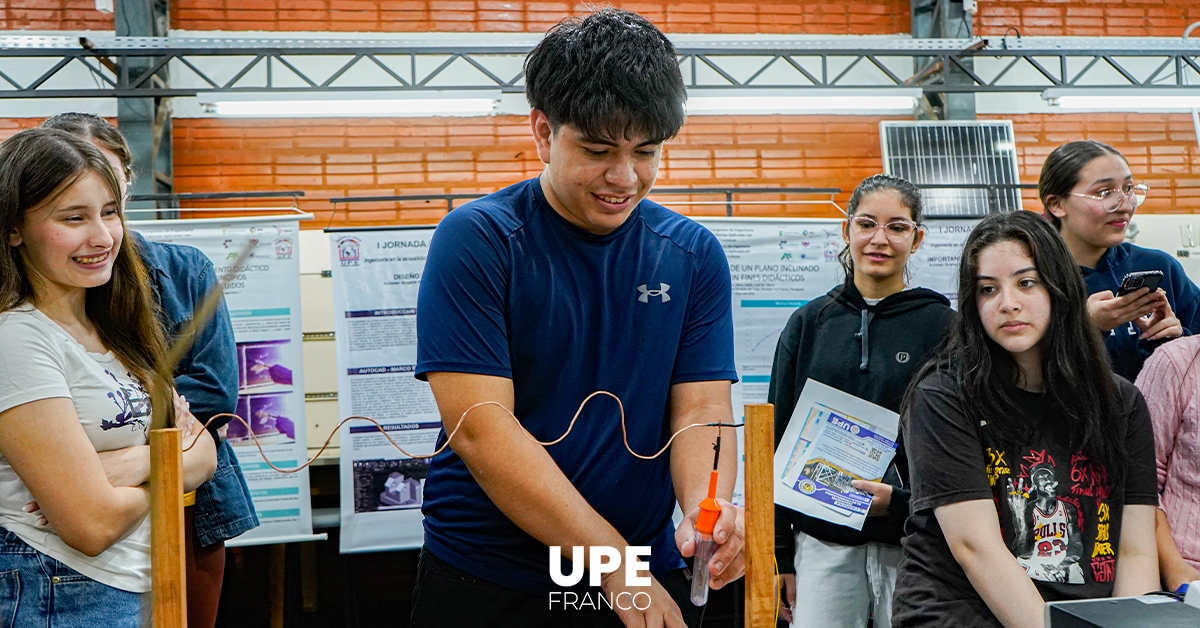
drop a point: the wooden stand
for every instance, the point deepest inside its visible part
(760, 516)
(168, 571)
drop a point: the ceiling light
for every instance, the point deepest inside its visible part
(1124, 99)
(349, 104)
(801, 101)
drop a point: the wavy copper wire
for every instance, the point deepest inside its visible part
(461, 420)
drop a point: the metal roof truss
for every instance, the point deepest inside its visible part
(66, 67)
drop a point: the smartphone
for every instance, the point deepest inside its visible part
(1141, 279)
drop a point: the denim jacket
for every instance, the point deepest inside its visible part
(207, 376)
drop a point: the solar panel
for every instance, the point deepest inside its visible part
(937, 156)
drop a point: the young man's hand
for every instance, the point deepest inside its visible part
(641, 607)
(728, 562)
(1180, 573)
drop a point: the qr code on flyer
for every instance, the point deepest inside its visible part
(875, 454)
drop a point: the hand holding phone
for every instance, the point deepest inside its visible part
(1109, 311)
(1140, 279)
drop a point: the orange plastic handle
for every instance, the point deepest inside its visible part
(710, 510)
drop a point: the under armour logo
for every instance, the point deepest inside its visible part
(661, 292)
(902, 357)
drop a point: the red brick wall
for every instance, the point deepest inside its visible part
(1111, 18)
(694, 16)
(354, 157)
(1132, 18)
(1161, 150)
(9, 126)
(53, 15)
(330, 158)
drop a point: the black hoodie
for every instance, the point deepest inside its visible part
(870, 352)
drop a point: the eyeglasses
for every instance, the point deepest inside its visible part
(1112, 198)
(896, 230)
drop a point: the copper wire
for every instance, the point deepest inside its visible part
(461, 420)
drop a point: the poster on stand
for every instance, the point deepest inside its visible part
(376, 276)
(263, 298)
(935, 264)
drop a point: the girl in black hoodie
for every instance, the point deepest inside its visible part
(866, 337)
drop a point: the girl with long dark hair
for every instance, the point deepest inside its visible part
(1089, 195)
(1032, 465)
(849, 575)
(80, 365)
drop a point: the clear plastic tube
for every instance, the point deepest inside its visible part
(705, 547)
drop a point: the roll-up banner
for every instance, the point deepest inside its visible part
(263, 298)
(376, 275)
(777, 265)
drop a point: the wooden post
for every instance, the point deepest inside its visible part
(278, 582)
(169, 591)
(760, 516)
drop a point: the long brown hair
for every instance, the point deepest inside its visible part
(36, 166)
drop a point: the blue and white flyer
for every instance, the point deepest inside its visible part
(832, 439)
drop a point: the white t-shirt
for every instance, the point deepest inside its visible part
(40, 360)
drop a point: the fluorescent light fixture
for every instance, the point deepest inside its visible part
(1125, 99)
(350, 104)
(802, 101)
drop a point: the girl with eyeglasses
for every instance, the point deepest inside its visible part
(1032, 464)
(1089, 195)
(865, 337)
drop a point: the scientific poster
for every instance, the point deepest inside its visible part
(935, 264)
(263, 298)
(376, 276)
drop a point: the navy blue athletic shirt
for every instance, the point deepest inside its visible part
(512, 289)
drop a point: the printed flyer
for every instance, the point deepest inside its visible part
(833, 439)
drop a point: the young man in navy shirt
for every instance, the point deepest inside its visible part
(544, 292)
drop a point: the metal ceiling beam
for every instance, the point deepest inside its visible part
(257, 65)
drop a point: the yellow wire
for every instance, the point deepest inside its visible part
(776, 562)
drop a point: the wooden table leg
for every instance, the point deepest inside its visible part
(760, 516)
(278, 568)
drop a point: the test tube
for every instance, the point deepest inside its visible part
(705, 547)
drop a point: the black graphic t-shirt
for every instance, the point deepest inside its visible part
(1058, 514)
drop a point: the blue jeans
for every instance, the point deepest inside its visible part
(37, 591)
